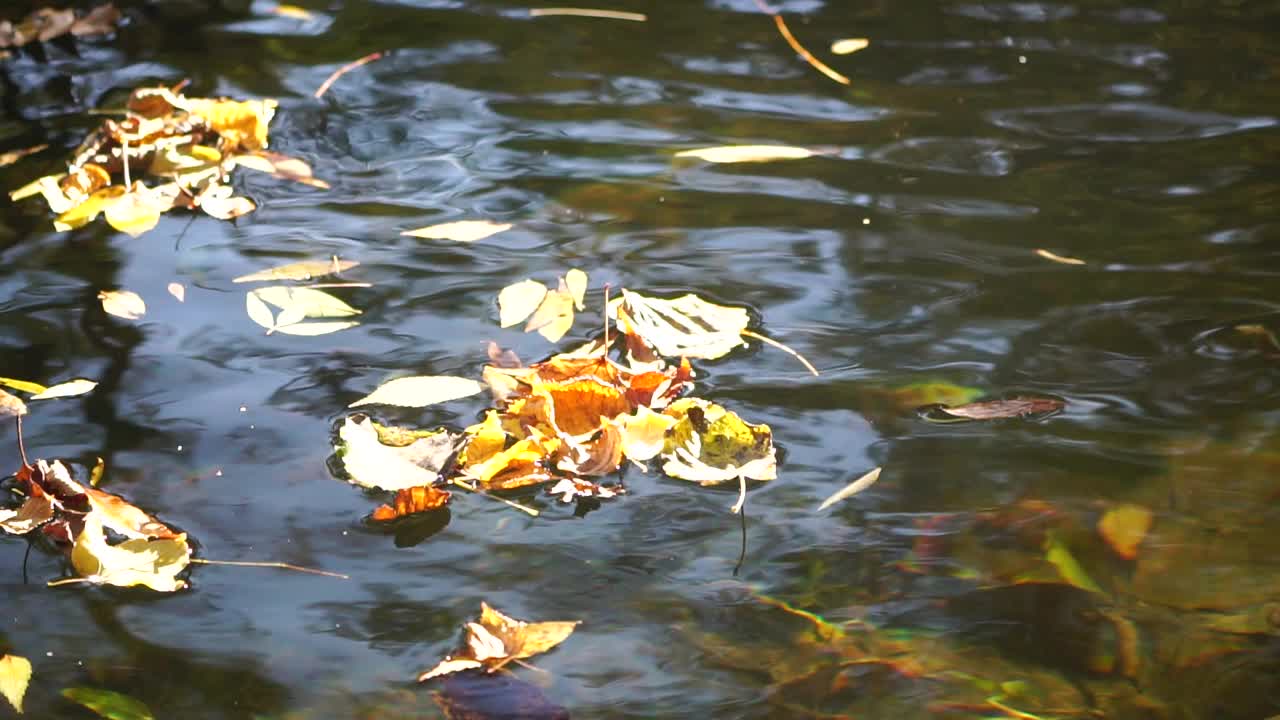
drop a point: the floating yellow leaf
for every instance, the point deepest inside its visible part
(1124, 527)
(1059, 555)
(23, 385)
(460, 231)
(710, 445)
(575, 282)
(293, 11)
(217, 201)
(687, 326)
(70, 388)
(241, 123)
(747, 153)
(297, 304)
(154, 563)
(849, 46)
(305, 270)
(517, 466)
(588, 12)
(485, 439)
(420, 391)
(123, 303)
(554, 317)
(519, 300)
(497, 639)
(14, 156)
(1061, 259)
(92, 206)
(136, 211)
(15, 674)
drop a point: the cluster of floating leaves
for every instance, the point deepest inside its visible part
(574, 419)
(187, 147)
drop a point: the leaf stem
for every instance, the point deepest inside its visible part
(784, 348)
(279, 565)
(522, 508)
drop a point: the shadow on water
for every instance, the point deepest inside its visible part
(1112, 560)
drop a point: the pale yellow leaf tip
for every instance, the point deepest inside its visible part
(15, 674)
(848, 46)
(460, 231)
(852, 489)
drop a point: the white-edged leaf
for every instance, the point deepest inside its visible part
(518, 301)
(420, 391)
(460, 231)
(852, 488)
(123, 303)
(747, 153)
(70, 388)
(686, 326)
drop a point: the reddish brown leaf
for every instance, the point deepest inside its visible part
(412, 500)
(1020, 406)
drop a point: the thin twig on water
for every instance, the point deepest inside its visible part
(277, 565)
(800, 49)
(324, 87)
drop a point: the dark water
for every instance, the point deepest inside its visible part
(1141, 138)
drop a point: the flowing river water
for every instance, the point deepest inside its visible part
(1137, 136)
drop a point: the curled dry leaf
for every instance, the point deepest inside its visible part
(747, 153)
(15, 674)
(410, 501)
(1060, 259)
(1013, 407)
(154, 563)
(14, 156)
(70, 388)
(387, 458)
(306, 270)
(460, 231)
(497, 639)
(420, 391)
(35, 511)
(1124, 527)
(123, 303)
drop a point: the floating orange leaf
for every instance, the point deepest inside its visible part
(412, 500)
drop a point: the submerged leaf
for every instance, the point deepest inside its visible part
(15, 674)
(1020, 406)
(123, 303)
(747, 153)
(109, 704)
(1124, 527)
(1059, 555)
(394, 458)
(281, 166)
(421, 391)
(460, 231)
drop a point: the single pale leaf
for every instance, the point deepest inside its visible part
(15, 674)
(310, 302)
(108, 704)
(449, 665)
(1124, 528)
(34, 512)
(137, 211)
(554, 317)
(217, 201)
(306, 270)
(70, 388)
(1007, 408)
(747, 153)
(123, 303)
(851, 489)
(420, 391)
(460, 231)
(519, 300)
(849, 46)
(259, 312)
(575, 281)
(88, 209)
(23, 385)
(687, 326)
(151, 563)
(313, 329)
(281, 166)
(537, 638)
(371, 462)
(178, 292)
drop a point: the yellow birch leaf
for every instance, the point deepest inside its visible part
(747, 153)
(1124, 528)
(241, 123)
(687, 326)
(15, 674)
(519, 300)
(123, 303)
(486, 439)
(460, 231)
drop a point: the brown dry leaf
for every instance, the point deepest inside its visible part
(412, 500)
(517, 466)
(11, 405)
(305, 270)
(281, 166)
(1124, 527)
(35, 511)
(123, 303)
(1013, 407)
(98, 21)
(497, 639)
(460, 231)
(127, 519)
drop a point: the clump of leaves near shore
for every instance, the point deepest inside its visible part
(168, 151)
(573, 420)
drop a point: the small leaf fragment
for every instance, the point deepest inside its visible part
(70, 388)
(1124, 527)
(410, 501)
(1060, 259)
(1059, 555)
(747, 153)
(421, 391)
(460, 231)
(554, 317)
(109, 704)
(178, 291)
(15, 674)
(518, 301)
(575, 281)
(123, 303)
(848, 46)
(852, 488)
